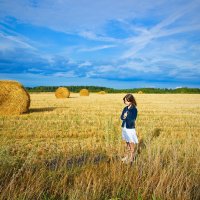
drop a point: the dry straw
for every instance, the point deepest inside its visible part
(62, 92)
(102, 92)
(14, 99)
(140, 92)
(84, 92)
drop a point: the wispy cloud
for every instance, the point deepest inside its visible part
(69, 74)
(85, 64)
(97, 48)
(73, 15)
(141, 41)
(16, 42)
(151, 43)
(92, 36)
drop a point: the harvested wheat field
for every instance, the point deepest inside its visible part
(70, 149)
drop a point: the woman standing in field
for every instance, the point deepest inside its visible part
(129, 115)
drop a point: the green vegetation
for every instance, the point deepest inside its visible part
(112, 90)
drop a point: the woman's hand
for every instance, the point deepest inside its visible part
(125, 115)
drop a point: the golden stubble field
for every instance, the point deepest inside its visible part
(70, 149)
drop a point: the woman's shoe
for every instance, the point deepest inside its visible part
(129, 161)
(124, 159)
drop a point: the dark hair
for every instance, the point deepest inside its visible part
(130, 98)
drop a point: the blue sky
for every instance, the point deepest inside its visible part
(119, 44)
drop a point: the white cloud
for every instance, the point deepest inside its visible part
(77, 15)
(89, 19)
(159, 30)
(91, 73)
(92, 36)
(14, 41)
(35, 70)
(96, 48)
(85, 64)
(106, 68)
(141, 67)
(69, 74)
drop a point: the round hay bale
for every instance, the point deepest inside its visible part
(102, 92)
(14, 99)
(62, 92)
(84, 92)
(140, 92)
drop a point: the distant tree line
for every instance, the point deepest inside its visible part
(112, 90)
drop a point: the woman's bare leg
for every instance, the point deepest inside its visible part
(126, 150)
(132, 146)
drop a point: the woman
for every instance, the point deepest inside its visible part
(129, 115)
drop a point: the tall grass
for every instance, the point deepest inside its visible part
(70, 149)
